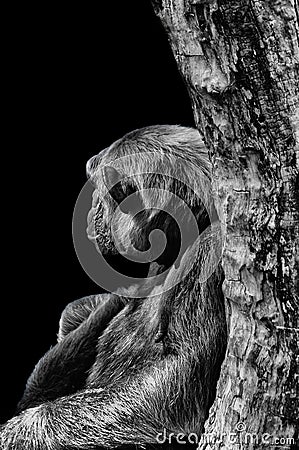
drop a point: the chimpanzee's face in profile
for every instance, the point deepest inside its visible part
(113, 224)
(107, 224)
(121, 226)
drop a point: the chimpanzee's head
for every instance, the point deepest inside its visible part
(151, 186)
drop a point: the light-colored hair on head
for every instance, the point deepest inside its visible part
(160, 156)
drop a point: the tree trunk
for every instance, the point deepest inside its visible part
(240, 62)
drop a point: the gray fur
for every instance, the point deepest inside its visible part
(124, 369)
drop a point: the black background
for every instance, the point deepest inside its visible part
(83, 82)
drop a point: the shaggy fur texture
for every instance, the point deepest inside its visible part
(125, 369)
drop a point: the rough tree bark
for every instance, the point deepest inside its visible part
(240, 62)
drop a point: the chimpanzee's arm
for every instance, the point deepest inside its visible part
(63, 369)
(132, 413)
(76, 312)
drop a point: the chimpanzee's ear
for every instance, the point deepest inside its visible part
(112, 180)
